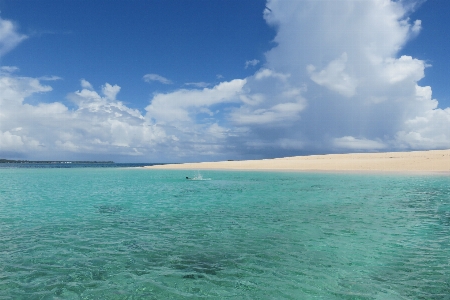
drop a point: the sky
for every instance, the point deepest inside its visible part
(180, 81)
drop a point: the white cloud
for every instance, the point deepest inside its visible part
(110, 91)
(404, 68)
(15, 89)
(198, 84)
(267, 73)
(10, 141)
(275, 115)
(269, 100)
(334, 77)
(346, 53)
(50, 78)
(351, 143)
(251, 63)
(417, 27)
(9, 37)
(86, 84)
(99, 124)
(181, 105)
(8, 69)
(426, 125)
(156, 77)
(102, 125)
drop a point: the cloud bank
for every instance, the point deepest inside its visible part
(334, 82)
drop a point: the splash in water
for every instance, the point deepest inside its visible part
(198, 177)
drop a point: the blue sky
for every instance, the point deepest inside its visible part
(433, 45)
(121, 41)
(174, 81)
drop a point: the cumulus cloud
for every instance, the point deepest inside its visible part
(182, 105)
(403, 68)
(156, 77)
(99, 124)
(334, 82)
(102, 125)
(426, 126)
(360, 93)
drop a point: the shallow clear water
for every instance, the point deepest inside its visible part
(151, 234)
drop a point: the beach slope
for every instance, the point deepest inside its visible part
(416, 161)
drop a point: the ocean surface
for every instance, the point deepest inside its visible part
(122, 233)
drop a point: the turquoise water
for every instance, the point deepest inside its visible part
(151, 234)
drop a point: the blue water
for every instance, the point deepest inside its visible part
(112, 233)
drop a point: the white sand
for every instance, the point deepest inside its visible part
(417, 161)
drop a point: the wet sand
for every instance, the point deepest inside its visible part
(416, 161)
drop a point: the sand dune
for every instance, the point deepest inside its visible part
(416, 161)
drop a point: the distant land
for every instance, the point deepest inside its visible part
(11, 161)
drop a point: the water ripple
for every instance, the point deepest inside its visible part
(124, 234)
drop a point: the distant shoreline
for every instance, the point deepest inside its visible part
(12, 161)
(432, 161)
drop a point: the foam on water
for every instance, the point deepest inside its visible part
(198, 177)
(152, 234)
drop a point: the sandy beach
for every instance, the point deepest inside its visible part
(415, 161)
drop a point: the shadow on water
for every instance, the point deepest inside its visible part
(197, 266)
(109, 209)
(143, 260)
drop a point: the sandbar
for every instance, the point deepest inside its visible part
(432, 161)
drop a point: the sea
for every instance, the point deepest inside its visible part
(124, 232)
